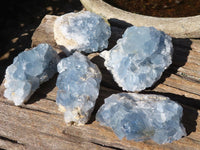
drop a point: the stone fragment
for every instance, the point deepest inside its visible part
(82, 31)
(78, 88)
(139, 58)
(29, 70)
(142, 117)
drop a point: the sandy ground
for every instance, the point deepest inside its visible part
(18, 21)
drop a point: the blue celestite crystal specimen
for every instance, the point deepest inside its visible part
(139, 58)
(28, 71)
(78, 88)
(142, 117)
(82, 31)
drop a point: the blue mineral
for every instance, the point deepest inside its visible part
(78, 88)
(82, 31)
(139, 58)
(29, 70)
(142, 117)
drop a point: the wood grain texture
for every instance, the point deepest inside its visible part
(39, 125)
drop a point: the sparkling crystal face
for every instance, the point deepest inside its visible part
(139, 58)
(142, 117)
(83, 31)
(78, 88)
(28, 71)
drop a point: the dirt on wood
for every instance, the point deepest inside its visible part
(159, 8)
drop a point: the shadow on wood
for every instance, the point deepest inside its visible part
(103, 93)
(107, 78)
(116, 33)
(108, 86)
(119, 23)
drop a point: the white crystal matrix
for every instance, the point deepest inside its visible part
(139, 58)
(78, 88)
(142, 117)
(28, 71)
(82, 31)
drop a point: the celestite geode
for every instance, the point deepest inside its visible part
(29, 70)
(78, 88)
(139, 58)
(142, 117)
(82, 31)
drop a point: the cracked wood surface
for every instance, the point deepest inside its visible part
(39, 125)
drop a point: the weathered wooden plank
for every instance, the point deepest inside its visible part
(182, 84)
(45, 129)
(39, 125)
(42, 117)
(37, 129)
(196, 45)
(9, 144)
(168, 89)
(46, 34)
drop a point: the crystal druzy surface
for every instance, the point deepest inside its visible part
(142, 117)
(28, 71)
(78, 88)
(139, 58)
(82, 31)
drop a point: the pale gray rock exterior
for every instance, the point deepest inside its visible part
(82, 31)
(142, 117)
(28, 70)
(78, 88)
(139, 57)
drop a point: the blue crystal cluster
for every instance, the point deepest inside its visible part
(82, 31)
(142, 117)
(28, 71)
(139, 58)
(78, 88)
(136, 62)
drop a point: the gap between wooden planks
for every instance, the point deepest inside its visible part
(39, 125)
